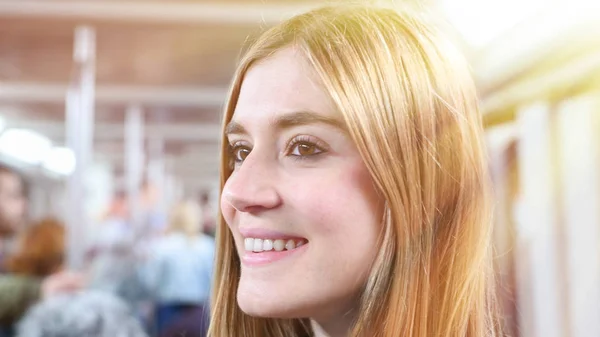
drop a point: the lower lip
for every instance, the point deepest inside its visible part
(263, 258)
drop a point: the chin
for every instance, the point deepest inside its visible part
(267, 308)
(269, 304)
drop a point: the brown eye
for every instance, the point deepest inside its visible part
(240, 154)
(305, 149)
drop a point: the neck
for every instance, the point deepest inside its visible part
(337, 327)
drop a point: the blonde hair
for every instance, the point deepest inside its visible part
(410, 106)
(185, 218)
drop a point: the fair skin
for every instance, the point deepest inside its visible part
(297, 174)
(61, 282)
(12, 203)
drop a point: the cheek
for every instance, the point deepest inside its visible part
(342, 206)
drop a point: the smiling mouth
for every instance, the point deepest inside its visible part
(257, 245)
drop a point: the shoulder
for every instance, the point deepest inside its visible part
(7, 280)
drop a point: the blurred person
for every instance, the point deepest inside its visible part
(18, 292)
(154, 218)
(40, 251)
(113, 256)
(82, 314)
(39, 254)
(115, 229)
(13, 205)
(355, 195)
(179, 271)
(110, 252)
(209, 223)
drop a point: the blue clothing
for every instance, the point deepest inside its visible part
(182, 320)
(179, 269)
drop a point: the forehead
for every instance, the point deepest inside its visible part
(282, 83)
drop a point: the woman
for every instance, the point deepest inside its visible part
(41, 250)
(179, 273)
(39, 254)
(354, 192)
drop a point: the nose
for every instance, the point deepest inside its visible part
(251, 188)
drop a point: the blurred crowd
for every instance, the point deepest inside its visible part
(150, 277)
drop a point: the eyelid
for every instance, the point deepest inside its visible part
(306, 139)
(238, 143)
(232, 146)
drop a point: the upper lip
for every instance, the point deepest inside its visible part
(264, 233)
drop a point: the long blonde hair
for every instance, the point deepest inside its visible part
(410, 106)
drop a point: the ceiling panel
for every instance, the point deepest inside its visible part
(127, 54)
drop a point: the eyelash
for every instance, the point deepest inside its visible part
(305, 140)
(299, 140)
(232, 149)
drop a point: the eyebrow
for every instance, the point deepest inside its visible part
(290, 120)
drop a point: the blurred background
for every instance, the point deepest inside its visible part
(110, 111)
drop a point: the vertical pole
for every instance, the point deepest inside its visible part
(541, 304)
(80, 136)
(134, 162)
(580, 177)
(156, 166)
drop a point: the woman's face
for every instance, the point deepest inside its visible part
(300, 202)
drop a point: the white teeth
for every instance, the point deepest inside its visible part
(258, 245)
(265, 245)
(279, 245)
(249, 244)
